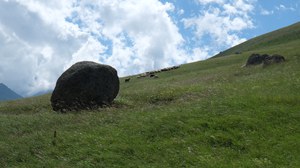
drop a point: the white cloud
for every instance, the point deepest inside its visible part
(180, 12)
(199, 54)
(222, 23)
(205, 2)
(282, 7)
(32, 53)
(90, 50)
(40, 39)
(266, 12)
(141, 31)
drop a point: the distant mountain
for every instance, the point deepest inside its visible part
(43, 92)
(7, 94)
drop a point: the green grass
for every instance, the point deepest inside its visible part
(272, 39)
(212, 113)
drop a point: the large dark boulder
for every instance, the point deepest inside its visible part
(274, 59)
(85, 85)
(256, 59)
(265, 59)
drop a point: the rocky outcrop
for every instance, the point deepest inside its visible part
(265, 59)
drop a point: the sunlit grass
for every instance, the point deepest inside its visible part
(212, 113)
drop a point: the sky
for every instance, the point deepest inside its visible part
(40, 39)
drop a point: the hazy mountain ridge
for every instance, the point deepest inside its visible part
(7, 94)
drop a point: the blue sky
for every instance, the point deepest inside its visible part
(282, 13)
(41, 39)
(268, 15)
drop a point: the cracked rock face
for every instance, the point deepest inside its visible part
(85, 85)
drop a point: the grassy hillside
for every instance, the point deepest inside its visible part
(211, 113)
(285, 35)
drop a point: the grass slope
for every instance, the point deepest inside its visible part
(285, 35)
(211, 113)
